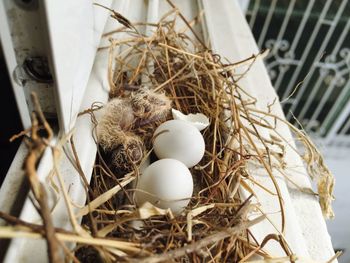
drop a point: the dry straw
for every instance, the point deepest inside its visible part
(215, 225)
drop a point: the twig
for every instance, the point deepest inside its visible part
(233, 231)
(36, 146)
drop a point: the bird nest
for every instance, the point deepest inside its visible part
(147, 76)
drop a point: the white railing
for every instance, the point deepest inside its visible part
(309, 43)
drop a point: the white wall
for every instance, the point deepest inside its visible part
(243, 5)
(338, 161)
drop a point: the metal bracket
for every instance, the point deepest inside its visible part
(33, 69)
(37, 69)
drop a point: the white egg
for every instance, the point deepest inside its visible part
(166, 183)
(180, 140)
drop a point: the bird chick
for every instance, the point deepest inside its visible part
(116, 131)
(149, 106)
(118, 117)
